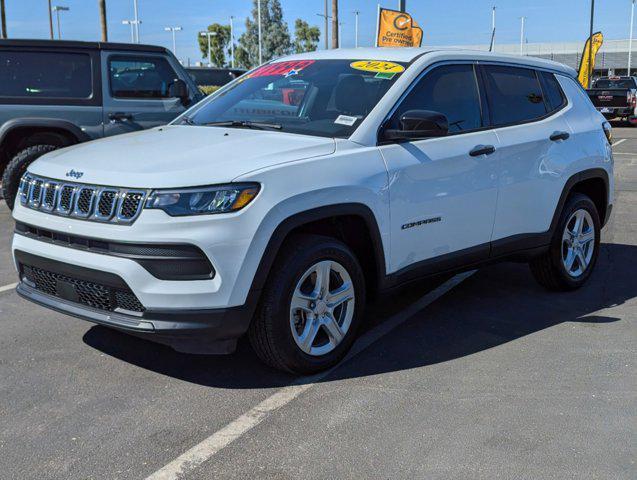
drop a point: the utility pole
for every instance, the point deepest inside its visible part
(590, 45)
(335, 24)
(356, 13)
(3, 21)
(630, 42)
(231, 42)
(522, 19)
(51, 19)
(259, 20)
(326, 17)
(102, 6)
(173, 30)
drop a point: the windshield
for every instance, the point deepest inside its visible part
(611, 84)
(327, 98)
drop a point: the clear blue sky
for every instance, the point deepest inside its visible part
(444, 22)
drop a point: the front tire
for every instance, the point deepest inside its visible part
(311, 307)
(574, 248)
(17, 167)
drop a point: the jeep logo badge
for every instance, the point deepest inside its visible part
(74, 174)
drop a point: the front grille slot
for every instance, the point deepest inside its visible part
(130, 206)
(35, 196)
(65, 199)
(48, 198)
(90, 294)
(86, 202)
(106, 203)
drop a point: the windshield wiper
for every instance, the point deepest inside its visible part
(245, 124)
(188, 121)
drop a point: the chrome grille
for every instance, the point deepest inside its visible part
(85, 202)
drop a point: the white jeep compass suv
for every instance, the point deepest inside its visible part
(276, 206)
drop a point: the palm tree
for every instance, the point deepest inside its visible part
(102, 7)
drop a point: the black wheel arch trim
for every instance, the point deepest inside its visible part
(36, 122)
(308, 216)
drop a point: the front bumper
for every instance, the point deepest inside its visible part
(105, 298)
(212, 331)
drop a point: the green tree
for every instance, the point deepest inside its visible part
(219, 43)
(306, 38)
(275, 36)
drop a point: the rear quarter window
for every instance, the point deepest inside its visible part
(553, 92)
(45, 75)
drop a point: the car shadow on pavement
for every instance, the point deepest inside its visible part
(496, 305)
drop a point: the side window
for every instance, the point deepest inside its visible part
(140, 77)
(553, 92)
(45, 75)
(451, 90)
(514, 94)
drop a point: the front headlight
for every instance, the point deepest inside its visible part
(203, 200)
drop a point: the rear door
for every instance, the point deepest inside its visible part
(136, 91)
(527, 109)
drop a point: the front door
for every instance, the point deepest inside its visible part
(443, 191)
(136, 92)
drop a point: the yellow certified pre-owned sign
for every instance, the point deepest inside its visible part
(397, 29)
(378, 66)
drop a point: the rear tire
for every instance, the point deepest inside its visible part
(17, 167)
(305, 324)
(574, 248)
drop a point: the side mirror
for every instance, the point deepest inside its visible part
(418, 124)
(179, 89)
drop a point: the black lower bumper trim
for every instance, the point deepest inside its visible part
(208, 331)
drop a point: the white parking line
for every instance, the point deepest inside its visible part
(8, 287)
(619, 141)
(202, 452)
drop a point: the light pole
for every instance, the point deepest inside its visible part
(132, 29)
(259, 20)
(57, 9)
(3, 21)
(356, 13)
(630, 42)
(590, 46)
(209, 34)
(173, 30)
(136, 20)
(326, 17)
(231, 42)
(522, 19)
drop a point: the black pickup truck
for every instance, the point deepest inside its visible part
(615, 97)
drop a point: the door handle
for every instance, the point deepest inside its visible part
(482, 150)
(120, 117)
(559, 136)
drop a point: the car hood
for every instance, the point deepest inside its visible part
(178, 156)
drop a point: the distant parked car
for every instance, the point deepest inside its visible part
(206, 77)
(57, 93)
(615, 97)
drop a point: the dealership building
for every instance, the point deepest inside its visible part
(612, 57)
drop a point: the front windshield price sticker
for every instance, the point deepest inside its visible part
(379, 67)
(346, 120)
(283, 69)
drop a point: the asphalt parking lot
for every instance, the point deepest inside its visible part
(484, 377)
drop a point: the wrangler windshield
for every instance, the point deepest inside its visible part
(328, 98)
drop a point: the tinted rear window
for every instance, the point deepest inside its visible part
(45, 75)
(611, 84)
(514, 94)
(553, 92)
